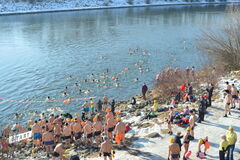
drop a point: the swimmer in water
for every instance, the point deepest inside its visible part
(117, 84)
(65, 94)
(147, 70)
(66, 87)
(87, 91)
(17, 116)
(80, 91)
(145, 53)
(136, 80)
(48, 98)
(76, 84)
(85, 80)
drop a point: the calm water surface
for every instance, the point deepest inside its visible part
(39, 52)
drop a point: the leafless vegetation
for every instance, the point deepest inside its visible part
(224, 45)
(168, 82)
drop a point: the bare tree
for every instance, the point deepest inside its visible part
(224, 45)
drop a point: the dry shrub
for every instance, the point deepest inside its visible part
(224, 44)
(168, 82)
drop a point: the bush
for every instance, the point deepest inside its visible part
(224, 45)
(168, 82)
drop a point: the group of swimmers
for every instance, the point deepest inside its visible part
(230, 99)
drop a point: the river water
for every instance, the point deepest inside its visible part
(39, 52)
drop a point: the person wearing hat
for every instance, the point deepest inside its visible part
(120, 130)
(202, 142)
(186, 141)
(30, 123)
(177, 139)
(223, 147)
(232, 139)
(155, 106)
(173, 150)
(6, 131)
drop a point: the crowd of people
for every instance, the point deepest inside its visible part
(100, 126)
(228, 141)
(94, 128)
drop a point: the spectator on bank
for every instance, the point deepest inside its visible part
(210, 94)
(144, 91)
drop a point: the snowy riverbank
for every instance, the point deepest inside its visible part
(214, 126)
(40, 6)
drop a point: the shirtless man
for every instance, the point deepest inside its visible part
(97, 129)
(67, 133)
(227, 100)
(170, 120)
(37, 133)
(6, 131)
(58, 120)
(48, 141)
(192, 122)
(173, 151)
(51, 118)
(58, 151)
(30, 123)
(88, 132)
(110, 127)
(49, 125)
(57, 132)
(234, 93)
(186, 141)
(120, 130)
(77, 131)
(21, 129)
(106, 149)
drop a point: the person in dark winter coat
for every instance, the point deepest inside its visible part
(144, 90)
(210, 94)
(202, 108)
(177, 139)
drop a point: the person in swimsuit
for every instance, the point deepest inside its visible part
(88, 132)
(170, 120)
(234, 93)
(57, 132)
(227, 100)
(174, 150)
(97, 129)
(48, 141)
(67, 133)
(192, 121)
(200, 143)
(37, 133)
(110, 127)
(120, 130)
(58, 151)
(106, 149)
(77, 131)
(6, 131)
(186, 141)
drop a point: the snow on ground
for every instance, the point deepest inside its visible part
(214, 126)
(23, 6)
